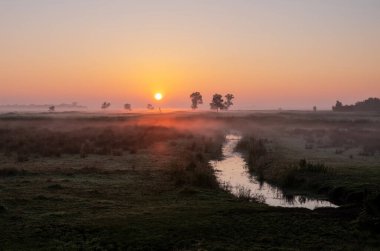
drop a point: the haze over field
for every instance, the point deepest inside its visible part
(269, 54)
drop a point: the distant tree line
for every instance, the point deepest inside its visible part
(106, 105)
(371, 104)
(217, 102)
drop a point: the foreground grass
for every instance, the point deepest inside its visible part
(139, 207)
(139, 200)
(142, 210)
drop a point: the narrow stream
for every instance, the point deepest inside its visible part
(232, 170)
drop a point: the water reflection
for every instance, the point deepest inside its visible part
(232, 171)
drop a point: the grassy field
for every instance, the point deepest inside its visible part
(142, 182)
(347, 146)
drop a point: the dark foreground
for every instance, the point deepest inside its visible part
(143, 183)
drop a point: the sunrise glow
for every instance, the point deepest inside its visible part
(270, 54)
(189, 124)
(158, 96)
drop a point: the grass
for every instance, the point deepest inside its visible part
(306, 161)
(341, 184)
(143, 210)
(159, 194)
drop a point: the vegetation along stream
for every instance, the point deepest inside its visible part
(232, 173)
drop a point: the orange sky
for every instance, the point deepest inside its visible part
(270, 54)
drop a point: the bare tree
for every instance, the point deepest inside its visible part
(228, 102)
(105, 105)
(128, 107)
(150, 107)
(196, 99)
(217, 102)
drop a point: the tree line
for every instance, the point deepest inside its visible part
(218, 102)
(371, 104)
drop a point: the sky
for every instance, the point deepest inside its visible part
(292, 54)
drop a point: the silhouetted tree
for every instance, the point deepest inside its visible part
(228, 102)
(51, 108)
(105, 105)
(128, 107)
(338, 105)
(217, 102)
(196, 99)
(314, 108)
(371, 104)
(150, 107)
(368, 105)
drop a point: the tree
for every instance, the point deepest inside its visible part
(150, 107)
(217, 102)
(338, 106)
(51, 108)
(105, 105)
(128, 107)
(371, 104)
(228, 102)
(196, 99)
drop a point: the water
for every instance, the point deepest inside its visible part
(232, 171)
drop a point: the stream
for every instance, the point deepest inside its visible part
(232, 170)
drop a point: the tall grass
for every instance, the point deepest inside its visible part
(24, 142)
(245, 194)
(305, 166)
(193, 174)
(264, 164)
(193, 168)
(256, 154)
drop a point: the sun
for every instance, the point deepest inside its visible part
(158, 96)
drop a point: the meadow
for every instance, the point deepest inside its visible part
(77, 181)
